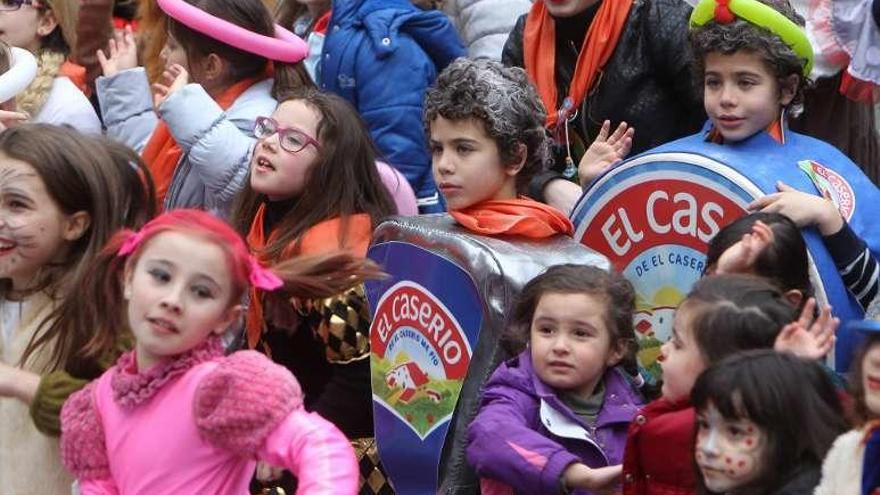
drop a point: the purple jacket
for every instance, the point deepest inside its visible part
(525, 437)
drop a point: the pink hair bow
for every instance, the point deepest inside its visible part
(261, 278)
(130, 244)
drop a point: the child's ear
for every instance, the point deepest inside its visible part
(795, 297)
(213, 67)
(616, 353)
(522, 152)
(76, 225)
(127, 275)
(46, 23)
(789, 89)
(232, 314)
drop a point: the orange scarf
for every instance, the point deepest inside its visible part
(320, 238)
(539, 47)
(77, 75)
(776, 130)
(162, 152)
(521, 216)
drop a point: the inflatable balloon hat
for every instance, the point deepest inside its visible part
(759, 14)
(284, 47)
(22, 71)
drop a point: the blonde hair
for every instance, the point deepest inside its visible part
(51, 56)
(5, 58)
(32, 99)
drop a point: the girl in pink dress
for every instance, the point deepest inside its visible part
(177, 416)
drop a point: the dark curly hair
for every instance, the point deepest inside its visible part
(616, 291)
(504, 100)
(741, 35)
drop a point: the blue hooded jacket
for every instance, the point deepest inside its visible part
(382, 55)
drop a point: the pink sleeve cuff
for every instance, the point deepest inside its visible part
(316, 452)
(242, 400)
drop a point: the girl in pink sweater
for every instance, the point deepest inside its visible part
(175, 415)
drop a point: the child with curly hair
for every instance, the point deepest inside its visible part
(485, 126)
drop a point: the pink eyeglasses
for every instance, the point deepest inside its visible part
(291, 139)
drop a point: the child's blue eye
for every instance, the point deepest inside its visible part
(159, 275)
(203, 292)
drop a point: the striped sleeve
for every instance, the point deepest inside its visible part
(857, 266)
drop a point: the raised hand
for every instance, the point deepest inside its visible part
(605, 151)
(802, 208)
(174, 77)
(121, 53)
(805, 340)
(11, 119)
(741, 257)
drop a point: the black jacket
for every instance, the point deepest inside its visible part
(802, 482)
(648, 82)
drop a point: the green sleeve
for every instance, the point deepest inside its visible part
(57, 386)
(53, 390)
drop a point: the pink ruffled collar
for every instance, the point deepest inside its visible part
(131, 388)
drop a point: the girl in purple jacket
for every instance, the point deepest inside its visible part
(554, 419)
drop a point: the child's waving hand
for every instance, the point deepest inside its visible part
(175, 77)
(740, 258)
(605, 151)
(805, 340)
(802, 208)
(121, 53)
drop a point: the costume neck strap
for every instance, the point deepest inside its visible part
(759, 14)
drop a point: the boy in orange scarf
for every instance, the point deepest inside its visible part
(485, 123)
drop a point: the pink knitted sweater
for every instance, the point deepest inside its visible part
(198, 424)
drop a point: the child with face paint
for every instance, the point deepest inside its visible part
(555, 417)
(210, 416)
(852, 467)
(62, 194)
(765, 421)
(722, 314)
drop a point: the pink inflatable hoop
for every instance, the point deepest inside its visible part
(284, 47)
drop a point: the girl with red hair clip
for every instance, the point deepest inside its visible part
(175, 415)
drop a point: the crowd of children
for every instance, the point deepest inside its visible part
(182, 299)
